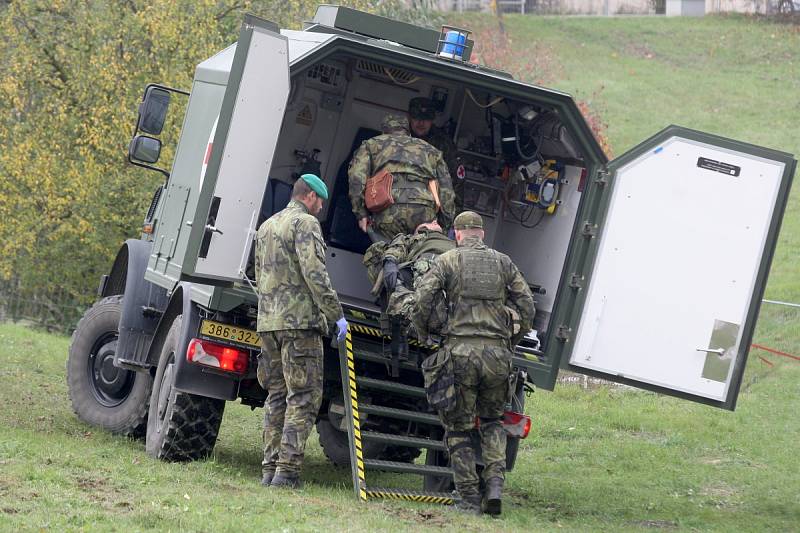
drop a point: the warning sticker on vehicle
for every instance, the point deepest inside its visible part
(719, 166)
(304, 116)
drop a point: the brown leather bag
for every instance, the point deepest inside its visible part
(378, 192)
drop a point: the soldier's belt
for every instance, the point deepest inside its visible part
(487, 341)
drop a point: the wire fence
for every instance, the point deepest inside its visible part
(53, 309)
(621, 7)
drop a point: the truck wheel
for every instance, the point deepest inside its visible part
(336, 445)
(437, 483)
(102, 394)
(180, 426)
(400, 454)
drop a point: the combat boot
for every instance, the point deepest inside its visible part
(494, 492)
(267, 479)
(469, 504)
(287, 481)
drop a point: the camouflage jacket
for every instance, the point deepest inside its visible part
(444, 143)
(294, 290)
(405, 250)
(469, 316)
(413, 161)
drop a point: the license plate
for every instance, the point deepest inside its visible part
(234, 334)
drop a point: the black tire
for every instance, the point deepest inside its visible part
(103, 395)
(437, 483)
(336, 446)
(180, 426)
(400, 454)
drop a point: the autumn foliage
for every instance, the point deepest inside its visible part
(71, 75)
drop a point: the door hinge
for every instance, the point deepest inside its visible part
(576, 281)
(562, 333)
(602, 178)
(589, 229)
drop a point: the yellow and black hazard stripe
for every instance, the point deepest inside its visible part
(415, 342)
(367, 330)
(363, 492)
(351, 373)
(409, 496)
(375, 332)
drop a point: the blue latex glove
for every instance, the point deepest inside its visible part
(341, 331)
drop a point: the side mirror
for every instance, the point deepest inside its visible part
(144, 148)
(153, 110)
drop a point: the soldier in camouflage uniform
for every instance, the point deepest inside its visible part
(421, 112)
(296, 306)
(396, 267)
(483, 288)
(413, 163)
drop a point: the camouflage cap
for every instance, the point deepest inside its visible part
(392, 123)
(422, 108)
(468, 220)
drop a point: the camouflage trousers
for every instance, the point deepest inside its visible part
(402, 218)
(401, 304)
(482, 370)
(290, 365)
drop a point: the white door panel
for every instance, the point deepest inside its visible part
(247, 156)
(678, 257)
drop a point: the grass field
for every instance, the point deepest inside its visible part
(733, 76)
(599, 459)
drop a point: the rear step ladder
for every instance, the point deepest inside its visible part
(359, 465)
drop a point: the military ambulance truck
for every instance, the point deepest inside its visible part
(648, 270)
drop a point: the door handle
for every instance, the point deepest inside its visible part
(213, 229)
(210, 227)
(718, 351)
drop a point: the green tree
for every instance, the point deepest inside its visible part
(71, 75)
(292, 13)
(72, 72)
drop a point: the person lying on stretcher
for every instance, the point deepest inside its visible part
(394, 267)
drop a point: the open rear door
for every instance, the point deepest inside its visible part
(240, 157)
(677, 269)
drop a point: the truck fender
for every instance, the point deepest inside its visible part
(189, 377)
(142, 303)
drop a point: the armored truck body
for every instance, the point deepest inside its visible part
(646, 269)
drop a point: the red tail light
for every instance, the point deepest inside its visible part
(218, 356)
(516, 424)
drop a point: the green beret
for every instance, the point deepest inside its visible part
(392, 123)
(468, 220)
(422, 108)
(316, 184)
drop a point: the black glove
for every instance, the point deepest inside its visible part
(390, 272)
